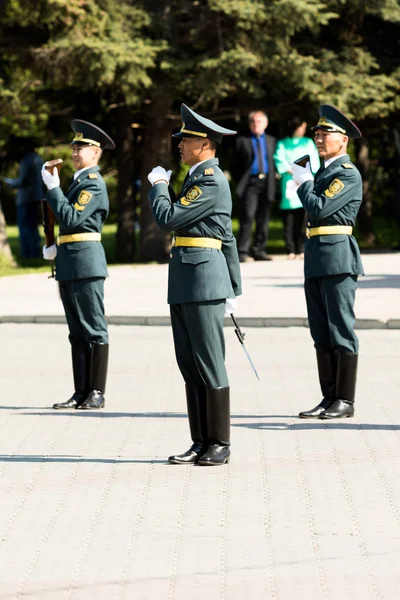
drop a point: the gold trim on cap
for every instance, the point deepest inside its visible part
(333, 126)
(79, 138)
(193, 132)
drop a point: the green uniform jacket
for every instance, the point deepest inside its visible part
(333, 198)
(203, 209)
(84, 209)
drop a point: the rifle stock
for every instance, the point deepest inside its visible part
(49, 218)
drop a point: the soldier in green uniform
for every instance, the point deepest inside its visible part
(81, 266)
(204, 280)
(332, 261)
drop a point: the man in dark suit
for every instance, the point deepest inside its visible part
(81, 266)
(332, 261)
(204, 273)
(254, 171)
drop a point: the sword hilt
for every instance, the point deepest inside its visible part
(239, 333)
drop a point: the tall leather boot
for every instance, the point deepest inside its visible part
(80, 368)
(196, 407)
(343, 406)
(327, 367)
(98, 377)
(218, 428)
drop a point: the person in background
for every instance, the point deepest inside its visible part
(290, 148)
(253, 169)
(30, 190)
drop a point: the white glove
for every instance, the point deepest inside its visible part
(49, 253)
(302, 174)
(231, 306)
(51, 181)
(159, 174)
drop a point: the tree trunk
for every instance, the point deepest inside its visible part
(6, 256)
(154, 243)
(125, 239)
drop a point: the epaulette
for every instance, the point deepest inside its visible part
(347, 166)
(92, 175)
(209, 171)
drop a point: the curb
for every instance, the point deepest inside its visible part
(166, 321)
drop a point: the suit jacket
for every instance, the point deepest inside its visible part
(243, 157)
(202, 209)
(29, 182)
(333, 198)
(84, 208)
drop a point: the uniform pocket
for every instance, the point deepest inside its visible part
(332, 239)
(196, 256)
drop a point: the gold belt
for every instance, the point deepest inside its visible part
(329, 230)
(197, 242)
(78, 237)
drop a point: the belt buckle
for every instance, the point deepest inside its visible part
(58, 241)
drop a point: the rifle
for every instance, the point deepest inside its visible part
(48, 215)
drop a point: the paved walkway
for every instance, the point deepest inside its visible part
(272, 294)
(90, 509)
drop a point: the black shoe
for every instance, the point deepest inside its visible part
(340, 409)
(191, 456)
(216, 455)
(262, 256)
(74, 402)
(319, 410)
(93, 401)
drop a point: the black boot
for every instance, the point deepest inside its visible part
(343, 406)
(218, 428)
(327, 367)
(80, 369)
(98, 377)
(196, 407)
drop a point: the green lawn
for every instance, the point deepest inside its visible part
(387, 235)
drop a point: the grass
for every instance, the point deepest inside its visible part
(387, 235)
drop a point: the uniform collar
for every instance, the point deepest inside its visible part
(88, 169)
(210, 162)
(331, 160)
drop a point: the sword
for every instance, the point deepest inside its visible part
(240, 336)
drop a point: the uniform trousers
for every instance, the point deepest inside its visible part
(199, 342)
(83, 301)
(330, 309)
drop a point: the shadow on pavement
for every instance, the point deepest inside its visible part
(71, 459)
(320, 424)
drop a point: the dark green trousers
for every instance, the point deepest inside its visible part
(83, 301)
(330, 308)
(198, 330)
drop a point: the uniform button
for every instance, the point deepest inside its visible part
(181, 252)
(171, 255)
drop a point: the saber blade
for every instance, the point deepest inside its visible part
(240, 336)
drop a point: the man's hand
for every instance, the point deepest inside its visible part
(51, 181)
(49, 253)
(159, 174)
(231, 306)
(302, 174)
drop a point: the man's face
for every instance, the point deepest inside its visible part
(190, 150)
(330, 143)
(258, 123)
(84, 156)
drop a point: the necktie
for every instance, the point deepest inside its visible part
(260, 157)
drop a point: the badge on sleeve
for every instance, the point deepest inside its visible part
(192, 195)
(335, 187)
(84, 197)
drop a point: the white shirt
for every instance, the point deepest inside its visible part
(77, 173)
(330, 160)
(196, 165)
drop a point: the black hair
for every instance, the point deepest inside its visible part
(293, 124)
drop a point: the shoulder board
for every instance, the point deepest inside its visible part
(93, 176)
(347, 166)
(209, 171)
